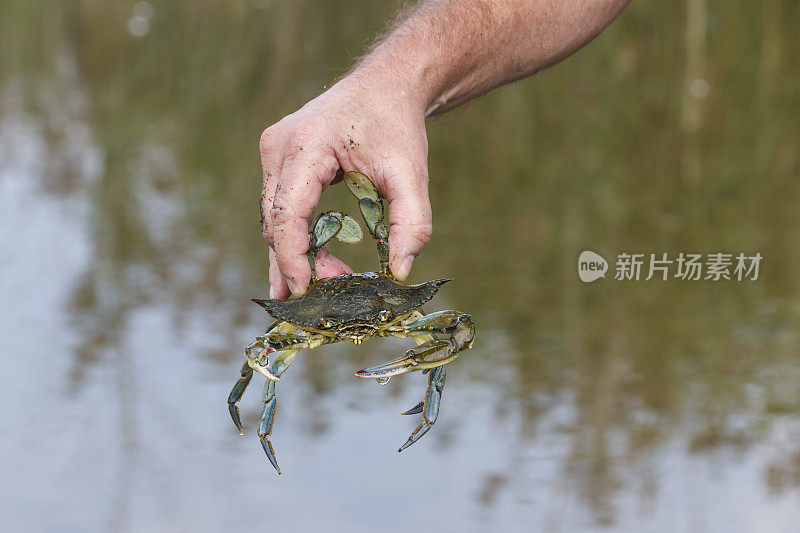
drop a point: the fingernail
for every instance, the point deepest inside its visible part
(405, 267)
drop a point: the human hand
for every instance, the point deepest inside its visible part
(364, 124)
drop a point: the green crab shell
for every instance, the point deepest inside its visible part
(360, 298)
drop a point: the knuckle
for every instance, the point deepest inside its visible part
(423, 232)
(281, 211)
(267, 140)
(306, 130)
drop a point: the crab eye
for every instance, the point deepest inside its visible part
(324, 322)
(384, 315)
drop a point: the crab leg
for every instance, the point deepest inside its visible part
(429, 407)
(419, 338)
(371, 206)
(275, 338)
(281, 340)
(277, 341)
(270, 401)
(429, 356)
(247, 371)
(236, 395)
(460, 333)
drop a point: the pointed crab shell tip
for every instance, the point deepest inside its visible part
(266, 304)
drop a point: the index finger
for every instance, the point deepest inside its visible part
(305, 174)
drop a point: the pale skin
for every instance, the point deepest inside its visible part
(439, 55)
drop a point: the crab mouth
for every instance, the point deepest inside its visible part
(355, 334)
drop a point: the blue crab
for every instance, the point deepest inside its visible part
(355, 307)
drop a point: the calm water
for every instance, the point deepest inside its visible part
(129, 181)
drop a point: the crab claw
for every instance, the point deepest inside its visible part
(427, 355)
(265, 372)
(254, 363)
(417, 409)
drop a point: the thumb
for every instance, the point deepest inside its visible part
(410, 216)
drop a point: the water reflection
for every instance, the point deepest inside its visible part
(129, 185)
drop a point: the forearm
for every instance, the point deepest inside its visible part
(443, 53)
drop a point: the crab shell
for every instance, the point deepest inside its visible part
(360, 299)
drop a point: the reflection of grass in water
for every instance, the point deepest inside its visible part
(609, 151)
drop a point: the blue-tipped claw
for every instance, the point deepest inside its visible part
(418, 433)
(417, 409)
(267, 445)
(236, 395)
(429, 408)
(234, 411)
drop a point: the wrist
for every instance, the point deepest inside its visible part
(401, 80)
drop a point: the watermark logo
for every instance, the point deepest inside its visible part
(591, 266)
(716, 266)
